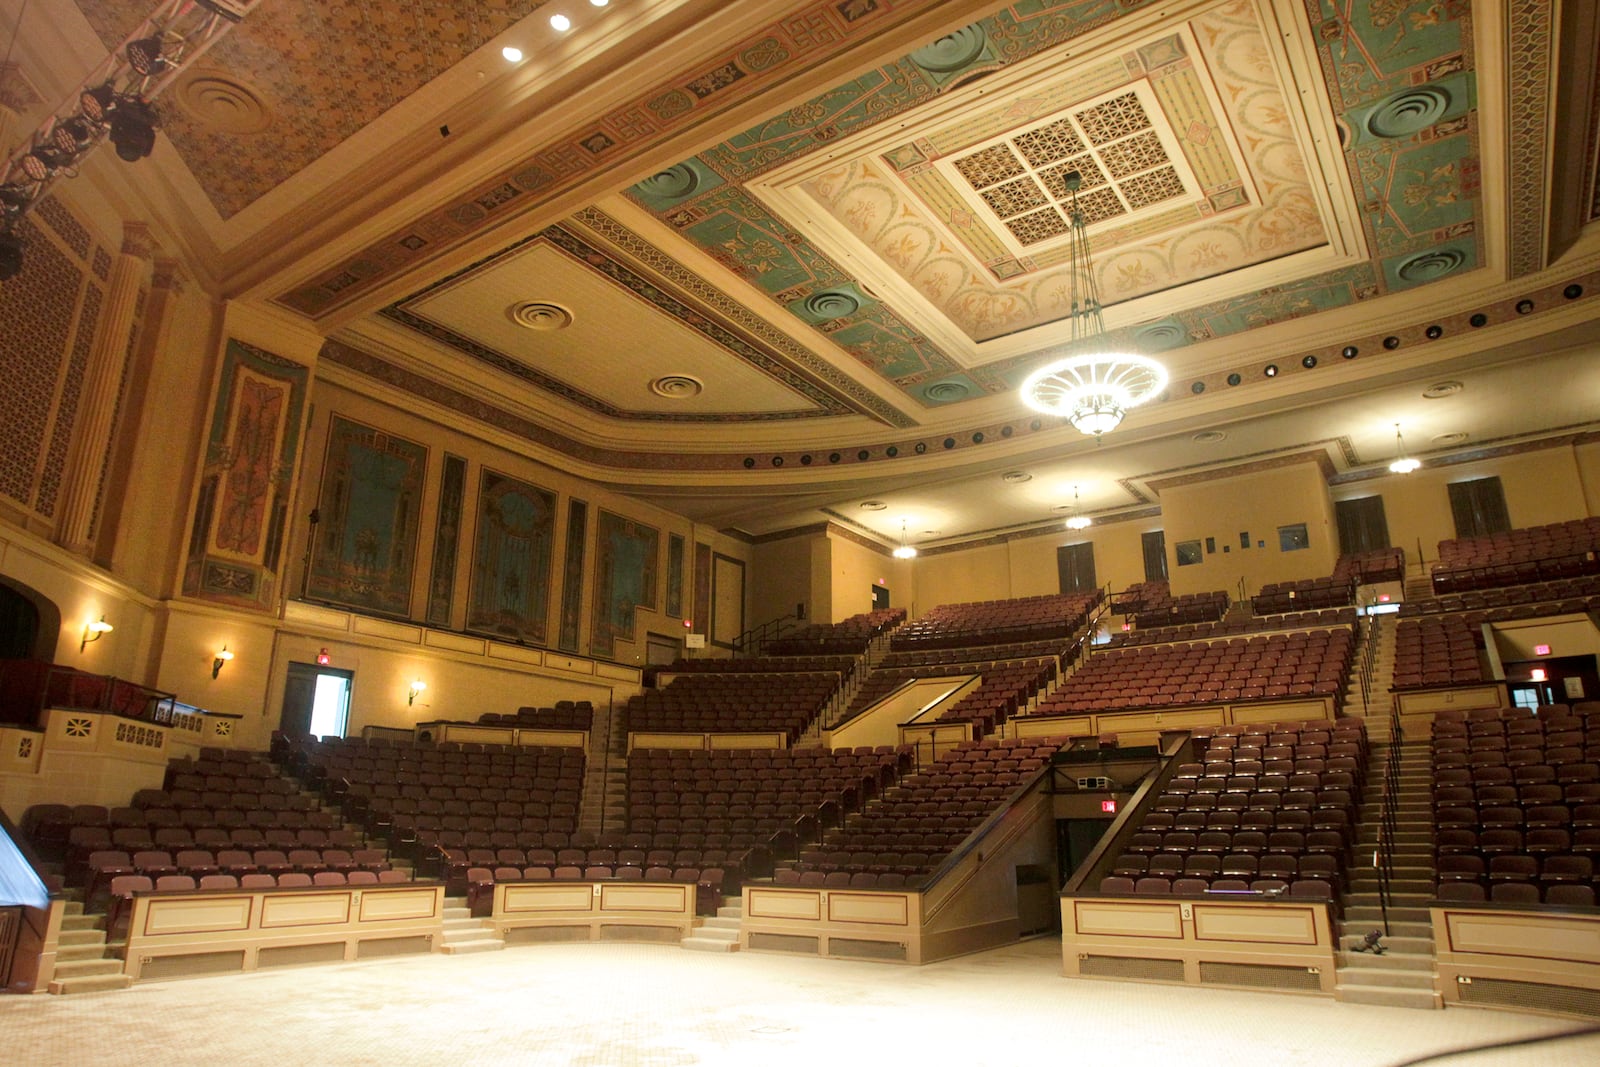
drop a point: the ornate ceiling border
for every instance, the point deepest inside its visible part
(749, 349)
(1529, 52)
(761, 62)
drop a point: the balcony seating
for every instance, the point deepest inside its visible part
(849, 637)
(1519, 557)
(993, 622)
(1314, 663)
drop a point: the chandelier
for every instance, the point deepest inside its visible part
(1077, 520)
(1403, 464)
(1093, 386)
(905, 551)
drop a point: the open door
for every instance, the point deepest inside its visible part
(316, 701)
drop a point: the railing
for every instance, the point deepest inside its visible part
(27, 687)
(1388, 818)
(1446, 579)
(750, 642)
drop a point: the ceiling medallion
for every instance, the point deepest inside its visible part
(538, 315)
(873, 505)
(1428, 266)
(1409, 111)
(674, 183)
(677, 386)
(1209, 437)
(952, 51)
(222, 103)
(1454, 437)
(1440, 390)
(1094, 387)
(1016, 477)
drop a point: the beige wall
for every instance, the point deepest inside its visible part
(782, 574)
(1257, 503)
(1544, 486)
(854, 569)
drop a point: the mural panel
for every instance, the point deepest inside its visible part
(572, 576)
(624, 579)
(511, 565)
(447, 540)
(366, 544)
(236, 541)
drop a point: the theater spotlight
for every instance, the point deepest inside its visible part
(144, 56)
(97, 103)
(72, 136)
(133, 129)
(41, 162)
(13, 198)
(10, 255)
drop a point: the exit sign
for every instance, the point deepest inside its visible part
(1541, 650)
(1108, 806)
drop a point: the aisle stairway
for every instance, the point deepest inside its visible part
(1375, 706)
(463, 933)
(85, 962)
(1403, 976)
(719, 934)
(605, 787)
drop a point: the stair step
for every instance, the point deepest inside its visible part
(94, 983)
(1409, 932)
(1371, 915)
(478, 944)
(729, 923)
(1361, 969)
(96, 951)
(82, 937)
(87, 968)
(709, 944)
(82, 922)
(1392, 959)
(1388, 996)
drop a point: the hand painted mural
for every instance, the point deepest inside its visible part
(364, 552)
(236, 540)
(624, 579)
(511, 564)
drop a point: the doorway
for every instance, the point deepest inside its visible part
(1075, 567)
(316, 701)
(880, 597)
(661, 650)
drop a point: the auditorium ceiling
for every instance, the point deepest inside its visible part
(764, 262)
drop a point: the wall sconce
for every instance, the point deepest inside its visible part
(223, 656)
(417, 686)
(94, 631)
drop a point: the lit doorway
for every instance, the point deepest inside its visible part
(316, 701)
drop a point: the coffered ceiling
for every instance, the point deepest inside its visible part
(760, 262)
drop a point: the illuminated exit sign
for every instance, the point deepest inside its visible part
(1541, 650)
(1108, 806)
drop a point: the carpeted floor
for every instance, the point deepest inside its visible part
(611, 1005)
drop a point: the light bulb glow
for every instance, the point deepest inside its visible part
(512, 54)
(560, 23)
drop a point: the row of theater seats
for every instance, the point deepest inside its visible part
(849, 637)
(1006, 690)
(88, 840)
(911, 831)
(1437, 651)
(991, 622)
(1268, 810)
(1519, 557)
(843, 666)
(975, 658)
(1313, 663)
(564, 715)
(1294, 620)
(1517, 804)
(104, 866)
(787, 703)
(1555, 597)
(1373, 566)
(1156, 609)
(1278, 597)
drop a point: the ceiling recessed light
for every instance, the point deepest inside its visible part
(512, 54)
(598, 3)
(1270, 370)
(560, 23)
